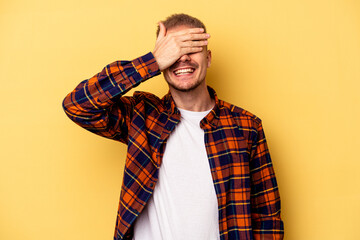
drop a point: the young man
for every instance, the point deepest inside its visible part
(197, 167)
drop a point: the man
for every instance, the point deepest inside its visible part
(197, 167)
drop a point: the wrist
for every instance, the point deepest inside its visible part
(158, 61)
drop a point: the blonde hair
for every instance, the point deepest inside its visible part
(181, 19)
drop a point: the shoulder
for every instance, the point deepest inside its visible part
(145, 96)
(241, 116)
(148, 100)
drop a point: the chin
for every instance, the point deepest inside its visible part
(185, 87)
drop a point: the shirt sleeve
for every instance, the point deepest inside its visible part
(265, 198)
(98, 105)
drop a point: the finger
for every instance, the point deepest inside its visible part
(189, 50)
(194, 43)
(191, 37)
(189, 31)
(162, 31)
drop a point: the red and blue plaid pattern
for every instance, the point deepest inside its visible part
(241, 168)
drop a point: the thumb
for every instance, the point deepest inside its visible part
(162, 31)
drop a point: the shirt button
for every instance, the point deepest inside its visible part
(151, 184)
(149, 71)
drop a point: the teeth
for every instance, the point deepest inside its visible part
(184, 71)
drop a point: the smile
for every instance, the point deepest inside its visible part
(184, 71)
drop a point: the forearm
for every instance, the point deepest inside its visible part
(97, 103)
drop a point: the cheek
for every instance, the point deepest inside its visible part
(166, 73)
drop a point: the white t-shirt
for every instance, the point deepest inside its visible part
(184, 203)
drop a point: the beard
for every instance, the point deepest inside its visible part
(185, 88)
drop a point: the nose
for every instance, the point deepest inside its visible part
(184, 58)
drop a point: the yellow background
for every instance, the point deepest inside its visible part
(295, 64)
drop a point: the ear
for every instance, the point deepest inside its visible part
(208, 58)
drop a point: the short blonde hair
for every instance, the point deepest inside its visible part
(181, 19)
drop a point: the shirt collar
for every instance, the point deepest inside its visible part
(210, 121)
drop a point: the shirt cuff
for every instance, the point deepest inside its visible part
(146, 66)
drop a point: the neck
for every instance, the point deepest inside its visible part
(197, 100)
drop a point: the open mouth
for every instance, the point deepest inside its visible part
(183, 71)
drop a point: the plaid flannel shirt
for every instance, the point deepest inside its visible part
(241, 168)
